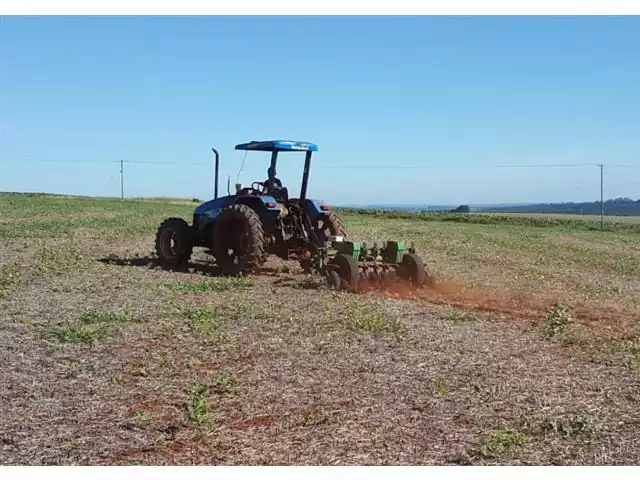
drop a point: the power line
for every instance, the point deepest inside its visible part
(621, 166)
(94, 162)
(104, 162)
(150, 162)
(418, 167)
(333, 167)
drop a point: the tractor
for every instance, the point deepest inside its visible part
(241, 230)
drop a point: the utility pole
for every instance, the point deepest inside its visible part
(121, 179)
(601, 196)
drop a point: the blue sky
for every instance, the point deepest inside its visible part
(463, 93)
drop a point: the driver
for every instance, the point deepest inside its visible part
(277, 190)
(277, 184)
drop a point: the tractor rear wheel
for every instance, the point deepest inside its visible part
(348, 271)
(329, 224)
(413, 268)
(174, 244)
(238, 240)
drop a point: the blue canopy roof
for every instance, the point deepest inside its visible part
(278, 146)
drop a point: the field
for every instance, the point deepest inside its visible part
(593, 218)
(524, 349)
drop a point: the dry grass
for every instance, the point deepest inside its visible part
(528, 354)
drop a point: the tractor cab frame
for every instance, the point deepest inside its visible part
(275, 147)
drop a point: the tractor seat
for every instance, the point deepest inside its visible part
(280, 194)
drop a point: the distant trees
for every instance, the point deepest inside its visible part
(462, 209)
(614, 206)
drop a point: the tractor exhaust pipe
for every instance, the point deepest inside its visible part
(217, 167)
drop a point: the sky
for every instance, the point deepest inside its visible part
(456, 96)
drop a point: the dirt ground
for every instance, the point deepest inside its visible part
(107, 359)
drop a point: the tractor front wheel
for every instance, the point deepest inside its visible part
(174, 244)
(238, 240)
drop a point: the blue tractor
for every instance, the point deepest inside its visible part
(243, 229)
(240, 230)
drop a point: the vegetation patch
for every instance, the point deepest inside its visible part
(631, 347)
(219, 285)
(558, 320)
(197, 406)
(81, 367)
(578, 427)
(455, 315)
(440, 387)
(223, 382)
(58, 260)
(99, 316)
(142, 417)
(85, 334)
(92, 326)
(497, 444)
(625, 351)
(205, 321)
(499, 219)
(365, 318)
(10, 277)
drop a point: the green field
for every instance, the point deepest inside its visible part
(593, 218)
(573, 222)
(525, 350)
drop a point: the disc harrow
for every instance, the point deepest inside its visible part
(354, 266)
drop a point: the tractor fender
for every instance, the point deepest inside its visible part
(315, 208)
(267, 208)
(257, 203)
(206, 213)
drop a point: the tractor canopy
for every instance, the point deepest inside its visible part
(278, 146)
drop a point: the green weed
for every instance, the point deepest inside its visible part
(455, 315)
(82, 366)
(86, 334)
(243, 307)
(366, 319)
(628, 352)
(204, 321)
(142, 416)
(476, 386)
(98, 316)
(440, 387)
(632, 347)
(573, 427)
(219, 285)
(91, 327)
(10, 276)
(58, 260)
(558, 320)
(197, 407)
(497, 444)
(223, 382)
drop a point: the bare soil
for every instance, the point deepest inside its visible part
(108, 360)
